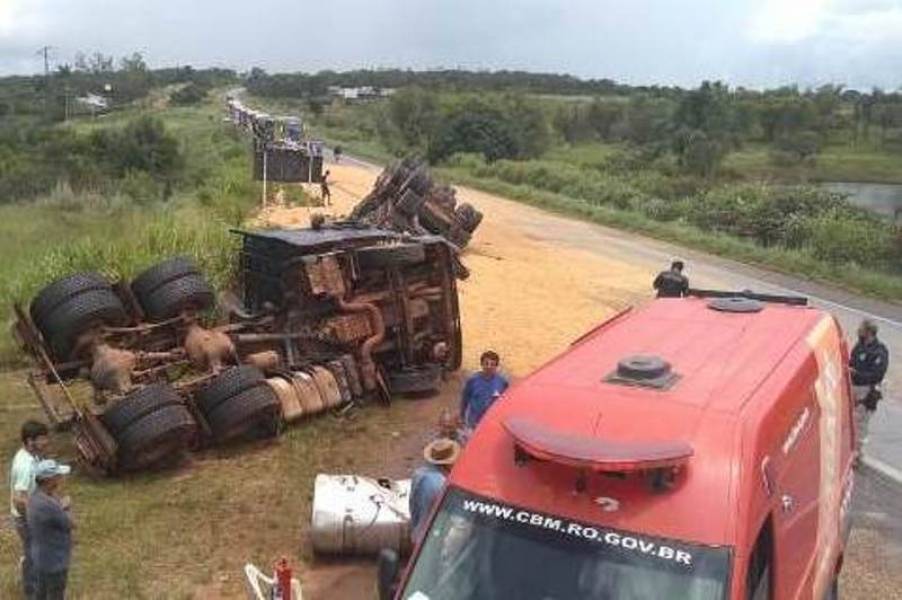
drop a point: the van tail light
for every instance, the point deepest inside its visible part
(593, 454)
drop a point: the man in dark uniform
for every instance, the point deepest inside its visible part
(672, 283)
(324, 189)
(868, 363)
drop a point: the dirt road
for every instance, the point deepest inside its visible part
(537, 282)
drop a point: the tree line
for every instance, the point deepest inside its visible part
(511, 114)
(50, 97)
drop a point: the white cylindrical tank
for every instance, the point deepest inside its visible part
(360, 515)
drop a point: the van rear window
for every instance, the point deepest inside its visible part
(478, 548)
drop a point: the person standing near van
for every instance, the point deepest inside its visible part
(50, 527)
(868, 363)
(35, 439)
(672, 283)
(482, 390)
(428, 481)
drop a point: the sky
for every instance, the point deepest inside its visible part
(753, 43)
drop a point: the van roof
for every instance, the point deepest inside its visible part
(722, 359)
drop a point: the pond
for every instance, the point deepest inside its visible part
(882, 198)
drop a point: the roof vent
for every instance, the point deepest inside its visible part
(736, 304)
(644, 371)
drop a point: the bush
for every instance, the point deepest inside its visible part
(838, 239)
(190, 94)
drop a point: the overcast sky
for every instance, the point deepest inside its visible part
(744, 42)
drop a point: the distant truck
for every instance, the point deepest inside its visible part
(697, 448)
(141, 371)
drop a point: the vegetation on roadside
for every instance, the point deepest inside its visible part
(794, 261)
(171, 181)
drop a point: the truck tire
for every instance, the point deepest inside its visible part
(377, 257)
(191, 292)
(161, 273)
(458, 237)
(157, 435)
(415, 380)
(63, 289)
(227, 384)
(249, 410)
(410, 203)
(468, 217)
(419, 182)
(138, 404)
(79, 313)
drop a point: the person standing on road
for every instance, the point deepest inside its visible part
(51, 529)
(868, 363)
(429, 480)
(35, 439)
(672, 283)
(482, 390)
(324, 190)
(336, 154)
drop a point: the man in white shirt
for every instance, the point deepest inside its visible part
(35, 439)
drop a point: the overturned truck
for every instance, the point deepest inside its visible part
(405, 198)
(143, 371)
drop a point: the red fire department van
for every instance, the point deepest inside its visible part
(696, 448)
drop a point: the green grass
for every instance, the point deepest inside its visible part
(793, 262)
(66, 232)
(839, 162)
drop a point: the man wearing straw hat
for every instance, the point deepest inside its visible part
(429, 480)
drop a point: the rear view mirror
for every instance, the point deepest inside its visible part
(387, 573)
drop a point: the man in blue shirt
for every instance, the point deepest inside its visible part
(481, 390)
(50, 528)
(429, 480)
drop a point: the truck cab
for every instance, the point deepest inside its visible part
(696, 448)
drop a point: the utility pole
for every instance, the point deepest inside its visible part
(45, 52)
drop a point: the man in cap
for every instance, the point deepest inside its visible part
(35, 439)
(868, 363)
(672, 283)
(429, 480)
(50, 527)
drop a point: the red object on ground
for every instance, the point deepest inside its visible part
(283, 578)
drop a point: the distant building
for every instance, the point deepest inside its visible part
(93, 104)
(359, 93)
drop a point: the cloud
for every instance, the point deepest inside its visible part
(781, 21)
